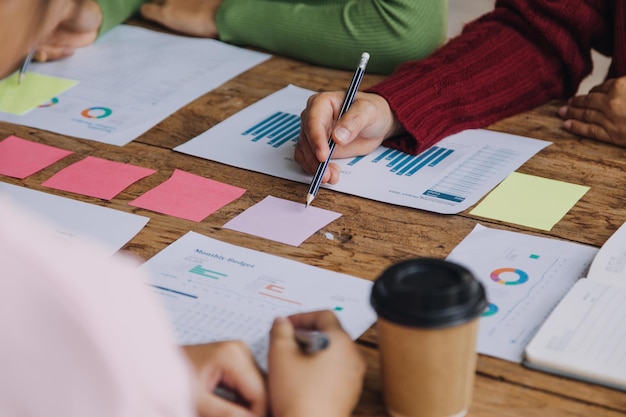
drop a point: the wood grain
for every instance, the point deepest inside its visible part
(370, 235)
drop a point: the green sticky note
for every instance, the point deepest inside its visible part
(35, 89)
(530, 201)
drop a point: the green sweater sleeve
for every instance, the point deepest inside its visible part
(115, 12)
(334, 33)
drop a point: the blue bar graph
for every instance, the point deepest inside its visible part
(277, 129)
(355, 160)
(401, 163)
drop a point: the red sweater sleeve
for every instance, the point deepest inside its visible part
(520, 55)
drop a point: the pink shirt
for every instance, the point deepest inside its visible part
(81, 334)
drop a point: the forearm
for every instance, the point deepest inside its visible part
(334, 33)
(115, 12)
(507, 62)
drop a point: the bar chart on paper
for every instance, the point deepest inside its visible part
(524, 277)
(278, 129)
(401, 163)
(215, 291)
(447, 178)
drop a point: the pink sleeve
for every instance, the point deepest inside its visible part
(82, 334)
(522, 54)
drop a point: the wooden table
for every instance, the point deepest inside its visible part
(370, 235)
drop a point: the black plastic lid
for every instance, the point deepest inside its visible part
(428, 293)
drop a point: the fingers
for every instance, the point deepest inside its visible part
(232, 365)
(209, 405)
(192, 17)
(52, 53)
(588, 130)
(586, 115)
(358, 132)
(78, 30)
(324, 320)
(306, 158)
(282, 335)
(88, 18)
(298, 381)
(317, 121)
(590, 112)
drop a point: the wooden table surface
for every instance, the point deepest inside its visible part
(370, 235)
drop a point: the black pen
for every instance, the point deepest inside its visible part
(25, 65)
(347, 102)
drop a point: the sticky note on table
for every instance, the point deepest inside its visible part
(282, 220)
(34, 90)
(530, 201)
(20, 158)
(188, 196)
(96, 177)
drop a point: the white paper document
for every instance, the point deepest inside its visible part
(446, 178)
(525, 277)
(218, 291)
(78, 220)
(130, 80)
(585, 336)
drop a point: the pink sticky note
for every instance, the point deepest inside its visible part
(188, 196)
(20, 158)
(282, 220)
(97, 177)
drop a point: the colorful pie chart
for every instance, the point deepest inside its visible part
(496, 276)
(96, 112)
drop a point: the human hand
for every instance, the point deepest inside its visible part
(231, 365)
(191, 17)
(360, 130)
(79, 29)
(327, 383)
(599, 115)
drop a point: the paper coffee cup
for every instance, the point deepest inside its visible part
(427, 326)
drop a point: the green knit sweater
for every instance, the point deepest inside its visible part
(334, 33)
(330, 33)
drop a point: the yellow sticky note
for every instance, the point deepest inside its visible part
(35, 89)
(530, 201)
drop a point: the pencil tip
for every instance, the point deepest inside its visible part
(309, 199)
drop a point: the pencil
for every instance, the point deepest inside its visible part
(311, 341)
(347, 102)
(25, 65)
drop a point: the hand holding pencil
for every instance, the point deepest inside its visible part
(327, 383)
(359, 131)
(347, 102)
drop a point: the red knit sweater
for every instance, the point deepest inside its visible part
(513, 59)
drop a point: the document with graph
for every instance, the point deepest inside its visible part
(585, 336)
(525, 277)
(447, 178)
(130, 80)
(217, 291)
